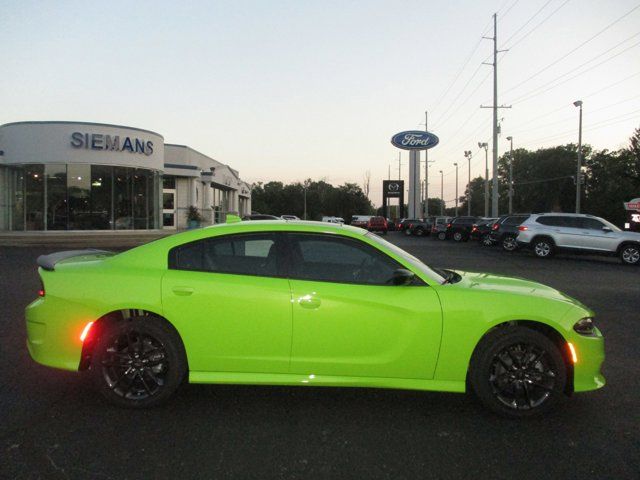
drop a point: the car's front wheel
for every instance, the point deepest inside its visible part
(518, 372)
(485, 240)
(419, 231)
(442, 236)
(630, 254)
(458, 237)
(138, 362)
(407, 232)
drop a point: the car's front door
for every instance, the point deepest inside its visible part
(231, 304)
(349, 321)
(595, 237)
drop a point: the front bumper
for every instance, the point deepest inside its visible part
(590, 353)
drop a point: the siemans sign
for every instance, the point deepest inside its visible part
(99, 141)
(414, 140)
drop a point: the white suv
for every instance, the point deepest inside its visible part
(545, 233)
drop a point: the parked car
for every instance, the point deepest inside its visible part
(460, 228)
(419, 228)
(481, 231)
(505, 230)
(378, 224)
(260, 216)
(439, 227)
(290, 217)
(404, 223)
(548, 233)
(140, 323)
(339, 220)
(360, 221)
(391, 225)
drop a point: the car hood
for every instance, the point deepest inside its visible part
(512, 285)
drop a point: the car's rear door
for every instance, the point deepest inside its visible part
(231, 303)
(349, 321)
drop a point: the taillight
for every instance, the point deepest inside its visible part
(411, 225)
(448, 225)
(495, 226)
(522, 228)
(474, 229)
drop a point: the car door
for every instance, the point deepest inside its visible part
(349, 321)
(566, 231)
(594, 237)
(231, 303)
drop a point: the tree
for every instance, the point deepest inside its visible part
(477, 198)
(366, 186)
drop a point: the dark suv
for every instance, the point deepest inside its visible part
(481, 231)
(419, 228)
(460, 228)
(505, 230)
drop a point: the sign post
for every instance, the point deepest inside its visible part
(414, 141)
(393, 189)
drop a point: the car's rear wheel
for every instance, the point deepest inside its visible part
(138, 363)
(630, 254)
(442, 236)
(458, 237)
(509, 243)
(518, 372)
(543, 247)
(485, 240)
(419, 231)
(407, 231)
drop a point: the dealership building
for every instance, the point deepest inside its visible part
(79, 176)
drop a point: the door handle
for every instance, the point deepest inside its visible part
(183, 291)
(309, 301)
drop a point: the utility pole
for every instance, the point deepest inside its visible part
(495, 107)
(468, 154)
(485, 145)
(441, 193)
(510, 175)
(399, 165)
(578, 103)
(389, 178)
(426, 169)
(456, 164)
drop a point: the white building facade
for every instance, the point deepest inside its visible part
(78, 176)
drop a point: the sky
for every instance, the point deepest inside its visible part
(289, 90)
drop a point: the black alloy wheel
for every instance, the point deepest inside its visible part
(509, 243)
(419, 231)
(138, 362)
(485, 240)
(518, 372)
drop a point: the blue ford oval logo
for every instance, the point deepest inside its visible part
(415, 140)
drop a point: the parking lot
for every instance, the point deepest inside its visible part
(55, 426)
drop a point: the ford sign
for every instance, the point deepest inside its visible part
(414, 140)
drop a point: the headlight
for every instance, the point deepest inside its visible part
(584, 326)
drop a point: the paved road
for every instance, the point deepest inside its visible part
(54, 426)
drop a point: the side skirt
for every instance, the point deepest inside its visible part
(325, 381)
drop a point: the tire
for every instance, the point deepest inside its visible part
(517, 372)
(543, 247)
(442, 236)
(419, 232)
(138, 363)
(509, 243)
(485, 240)
(407, 232)
(458, 237)
(630, 254)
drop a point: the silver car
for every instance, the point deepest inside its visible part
(546, 233)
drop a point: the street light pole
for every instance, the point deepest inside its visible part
(456, 164)
(305, 201)
(441, 193)
(426, 170)
(468, 154)
(578, 103)
(510, 175)
(485, 145)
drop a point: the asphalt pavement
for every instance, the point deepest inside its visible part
(53, 425)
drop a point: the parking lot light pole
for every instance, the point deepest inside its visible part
(456, 164)
(441, 193)
(485, 145)
(468, 154)
(578, 103)
(510, 175)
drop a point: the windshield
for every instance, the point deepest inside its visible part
(433, 273)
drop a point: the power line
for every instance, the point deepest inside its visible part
(442, 122)
(537, 26)
(555, 62)
(528, 21)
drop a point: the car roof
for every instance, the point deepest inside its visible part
(263, 226)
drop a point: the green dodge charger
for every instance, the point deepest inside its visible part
(306, 303)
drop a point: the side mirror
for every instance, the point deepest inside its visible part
(606, 229)
(402, 277)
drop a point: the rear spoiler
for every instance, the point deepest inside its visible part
(48, 262)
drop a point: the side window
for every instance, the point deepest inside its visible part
(340, 260)
(249, 254)
(552, 221)
(590, 223)
(514, 220)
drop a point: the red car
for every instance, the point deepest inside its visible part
(378, 224)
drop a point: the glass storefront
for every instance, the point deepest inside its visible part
(78, 197)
